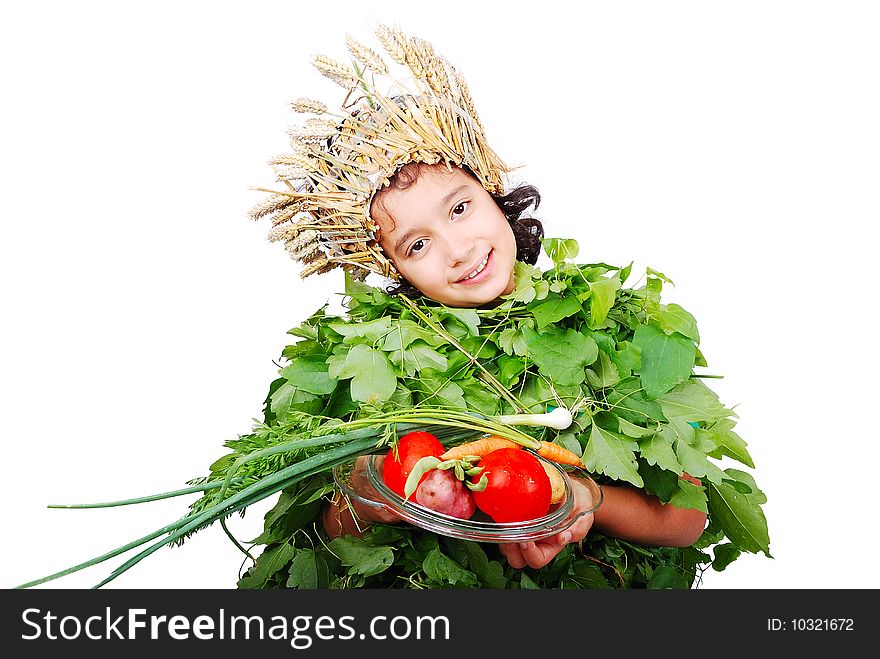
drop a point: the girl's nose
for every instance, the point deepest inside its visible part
(461, 252)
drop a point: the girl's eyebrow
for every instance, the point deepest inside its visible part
(440, 208)
(445, 201)
(402, 240)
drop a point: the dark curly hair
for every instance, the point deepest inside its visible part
(527, 231)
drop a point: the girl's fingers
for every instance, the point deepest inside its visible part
(538, 554)
(513, 555)
(581, 528)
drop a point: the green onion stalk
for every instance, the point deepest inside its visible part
(348, 440)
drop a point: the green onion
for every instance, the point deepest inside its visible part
(559, 419)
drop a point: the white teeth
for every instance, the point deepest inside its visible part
(478, 270)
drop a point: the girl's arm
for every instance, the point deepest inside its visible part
(634, 515)
(625, 513)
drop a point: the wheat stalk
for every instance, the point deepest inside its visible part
(308, 105)
(336, 71)
(393, 45)
(366, 56)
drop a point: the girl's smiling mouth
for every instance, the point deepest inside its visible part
(483, 271)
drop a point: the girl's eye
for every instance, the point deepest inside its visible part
(458, 209)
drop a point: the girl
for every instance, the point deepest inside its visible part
(403, 184)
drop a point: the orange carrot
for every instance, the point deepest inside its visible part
(479, 447)
(558, 453)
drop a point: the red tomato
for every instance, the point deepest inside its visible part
(518, 488)
(411, 448)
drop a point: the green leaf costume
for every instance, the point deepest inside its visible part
(573, 335)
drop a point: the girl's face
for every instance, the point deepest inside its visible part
(440, 230)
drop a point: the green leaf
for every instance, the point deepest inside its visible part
(570, 441)
(527, 583)
(740, 516)
(562, 356)
(660, 451)
(402, 397)
(267, 565)
(604, 373)
(354, 288)
(589, 575)
(613, 455)
(289, 399)
(417, 357)
(729, 443)
(677, 429)
(659, 482)
(724, 555)
(659, 275)
(310, 374)
(748, 480)
(479, 398)
(513, 341)
(308, 570)
(301, 349)
(627, 358)
(693, 401)
(373, 378)
(369, 332)
(665, 576)
(560, 249)
(360, 557)
(490, 573)
(632, 430)
(704, 442)
(542, 289)
(603, 339)
(337, 359)
(690, 496)
(667, 359)
(467, 318)
(696, 464)
(442, 393)
(602, 299)
(404, 332)
(553, 309)
(524, 276)
(674, 318)
(509, 369)
(628, 400)
(458, 366)
(444, 570)
(481, 347)
(292, 512)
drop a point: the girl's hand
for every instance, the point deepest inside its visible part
(539, 553)
(338, 517)
(360, 484)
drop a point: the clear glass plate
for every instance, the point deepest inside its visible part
(370, 490)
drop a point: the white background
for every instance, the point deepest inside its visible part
(732, 146)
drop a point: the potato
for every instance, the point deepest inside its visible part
(556, 482)
(443, 492)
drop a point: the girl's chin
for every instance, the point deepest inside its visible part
(483, 295)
